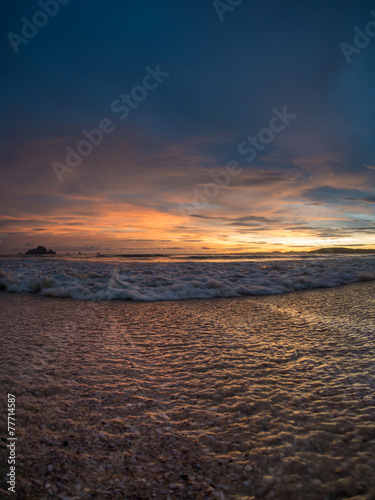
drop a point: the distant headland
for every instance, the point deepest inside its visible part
(343, 250)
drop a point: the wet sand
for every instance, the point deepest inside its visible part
(245, 398)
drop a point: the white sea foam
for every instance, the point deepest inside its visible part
(142, 281)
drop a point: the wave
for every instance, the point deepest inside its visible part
(153, 281)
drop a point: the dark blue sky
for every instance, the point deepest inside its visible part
(313, 183)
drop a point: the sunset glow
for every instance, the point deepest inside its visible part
(186, 149)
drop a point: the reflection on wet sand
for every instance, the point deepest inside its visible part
(264, 398)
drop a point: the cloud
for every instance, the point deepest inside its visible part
(254, 218)
(337, 195)
(369, 199)
(249, 224)
(365, 199)
(255, 182)
(238, 220)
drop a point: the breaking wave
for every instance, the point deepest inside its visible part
(143, 281)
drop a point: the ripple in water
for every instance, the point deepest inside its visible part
(264, 398)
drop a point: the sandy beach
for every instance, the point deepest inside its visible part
(240, 398)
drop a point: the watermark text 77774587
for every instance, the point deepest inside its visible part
(11, 444)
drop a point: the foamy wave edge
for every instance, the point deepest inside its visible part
(178, 281)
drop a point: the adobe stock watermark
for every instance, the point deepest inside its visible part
(361, 40)
(121, 107)
(254, 144)
(30, 28)
(12, 442)
(222, 7)
(249, 148)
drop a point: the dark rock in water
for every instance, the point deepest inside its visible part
(37, 251)
(40, 251)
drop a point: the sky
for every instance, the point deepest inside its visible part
(200, 126)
